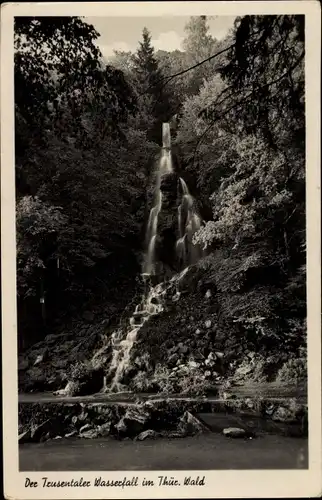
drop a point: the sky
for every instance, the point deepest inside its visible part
(124, 33)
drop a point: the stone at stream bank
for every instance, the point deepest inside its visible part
(190, 425)
(133, 422)
(234, 432)
(149, 434)
(163, 417)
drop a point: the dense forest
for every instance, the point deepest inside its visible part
(87, 137)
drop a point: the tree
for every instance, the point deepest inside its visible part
(199, 45)
(150, 84)
(248, 153)
(59, 67)
(123, 61)
(265, 69)
(81, 169)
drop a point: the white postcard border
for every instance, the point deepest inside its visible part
(222, 484)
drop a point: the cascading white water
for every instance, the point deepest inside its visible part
(122, 341)
(188, 223)
(151, 233)
(164, 168)
(166, 135)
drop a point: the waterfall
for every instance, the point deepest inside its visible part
(164, 168)
(151, 303)
(122, 341)
(166, 136)
(188, 223)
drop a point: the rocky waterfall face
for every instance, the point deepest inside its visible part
(170, 193)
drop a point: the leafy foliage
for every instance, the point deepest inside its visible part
(243, 141)
(81, 166)
(87, 137)
(38, 225)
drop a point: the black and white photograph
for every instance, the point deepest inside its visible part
(160, 188)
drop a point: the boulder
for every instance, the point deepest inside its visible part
(148, 434)
(134, 421)
(71, 434)
(282, 414)
(85, 427)
(104, 429)
(234, 432)
(208, 323)
(39, 359)
(25, 437)
(71, 389)
(173, 359)
(189, 425)
(89, 434)
(37, 431)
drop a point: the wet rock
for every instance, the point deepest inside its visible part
(25, 437)
(148, 434)
(190, 425)
(39, 430)
(134, 421)
(71, 434)
(83, 416)
(193, 364)
(71, 389)
(85, 427)
(104, 429)
(282, 414)
(173, 359)
(39, 359)
(89, 434)
(234, 432)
